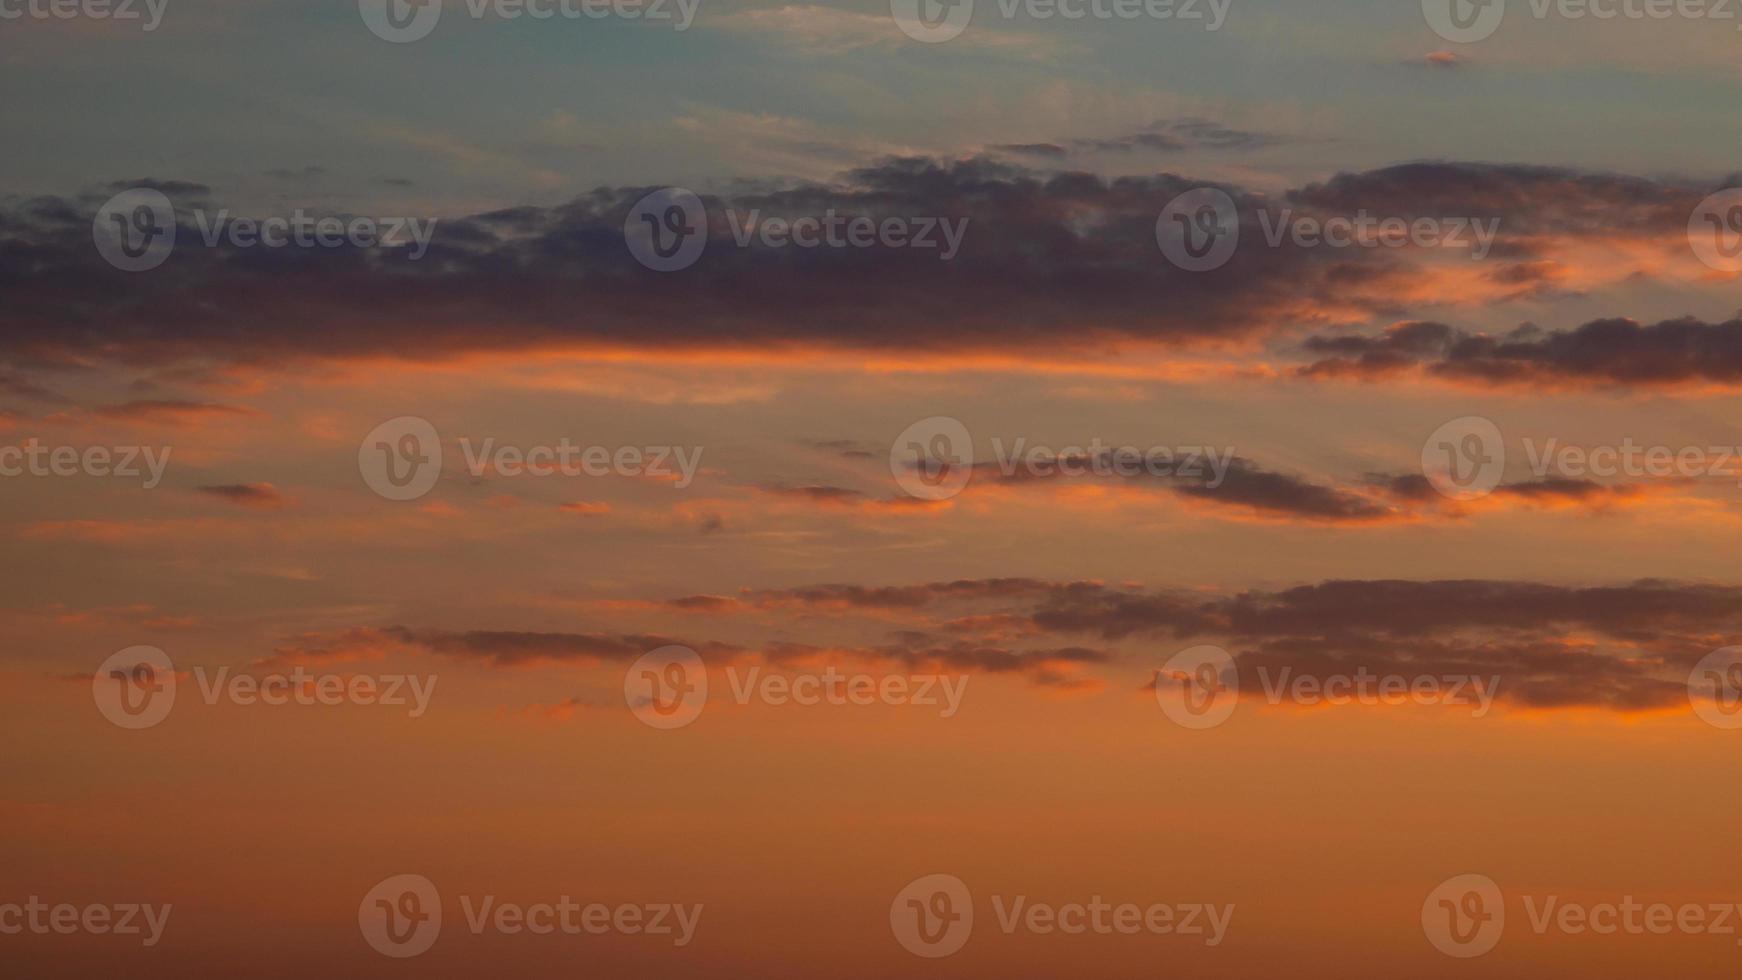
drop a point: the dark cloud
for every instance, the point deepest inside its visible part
(1050, 262)
(171, 188)
(1416, 489)
(166, 410)
(516, 649)
(302, 173)
(263, 495)
(1622, 647)
(1047, 262)
(1244, 485)
(1397, 607)
(1161, 136)
(1615, 352)
(1051, 151)
(504, 648)
(1529, 201)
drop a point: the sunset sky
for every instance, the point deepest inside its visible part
(788, 461)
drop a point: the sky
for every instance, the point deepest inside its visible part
(869, 488)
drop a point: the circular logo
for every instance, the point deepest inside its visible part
(135, 688)
(667, 230)
(933, 459)
(933, 916)
(400, 21)
(1464, 21)
(1715, 230)
(1715, 688)
(932, 21)
(1199, 230)
(401, 916)
(1465, 458)
(1198, 687)
(1464, 916)
(135, 230)
(401, 459)
(667, 687)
